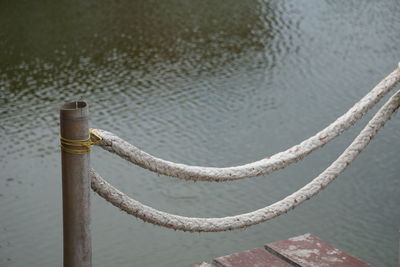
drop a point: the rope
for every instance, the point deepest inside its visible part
(148, 214)
(114, 144)
(83, 145)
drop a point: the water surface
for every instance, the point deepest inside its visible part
(204, 83)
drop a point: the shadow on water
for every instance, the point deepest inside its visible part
(167, 29)
(123, 54)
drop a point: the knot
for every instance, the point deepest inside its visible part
(79, 146)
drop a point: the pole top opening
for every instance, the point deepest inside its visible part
(76, 110)
(74, 105)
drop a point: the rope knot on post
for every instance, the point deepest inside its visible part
(79, 146)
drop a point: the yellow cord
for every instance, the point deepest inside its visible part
(84, 145)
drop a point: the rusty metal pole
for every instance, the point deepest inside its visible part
(74, 125)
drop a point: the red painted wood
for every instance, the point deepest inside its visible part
(250, 258)
(308, 250)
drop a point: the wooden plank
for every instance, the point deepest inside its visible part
(250, 258)
(308, 250)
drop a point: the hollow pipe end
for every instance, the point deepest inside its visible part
(76, 110)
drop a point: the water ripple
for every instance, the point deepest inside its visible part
(199, 82)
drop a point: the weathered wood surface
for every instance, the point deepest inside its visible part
(305, 251)
(250, 258)
(308, 250)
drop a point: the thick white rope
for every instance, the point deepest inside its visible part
(148, 214)
(264, 166)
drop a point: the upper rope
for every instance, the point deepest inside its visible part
(114, 144)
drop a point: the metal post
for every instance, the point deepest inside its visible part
(76, 186)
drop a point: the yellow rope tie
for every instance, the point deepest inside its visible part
(84, 145)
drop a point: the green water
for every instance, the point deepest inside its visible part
(212, 83)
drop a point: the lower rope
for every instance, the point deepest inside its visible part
(151, 215)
